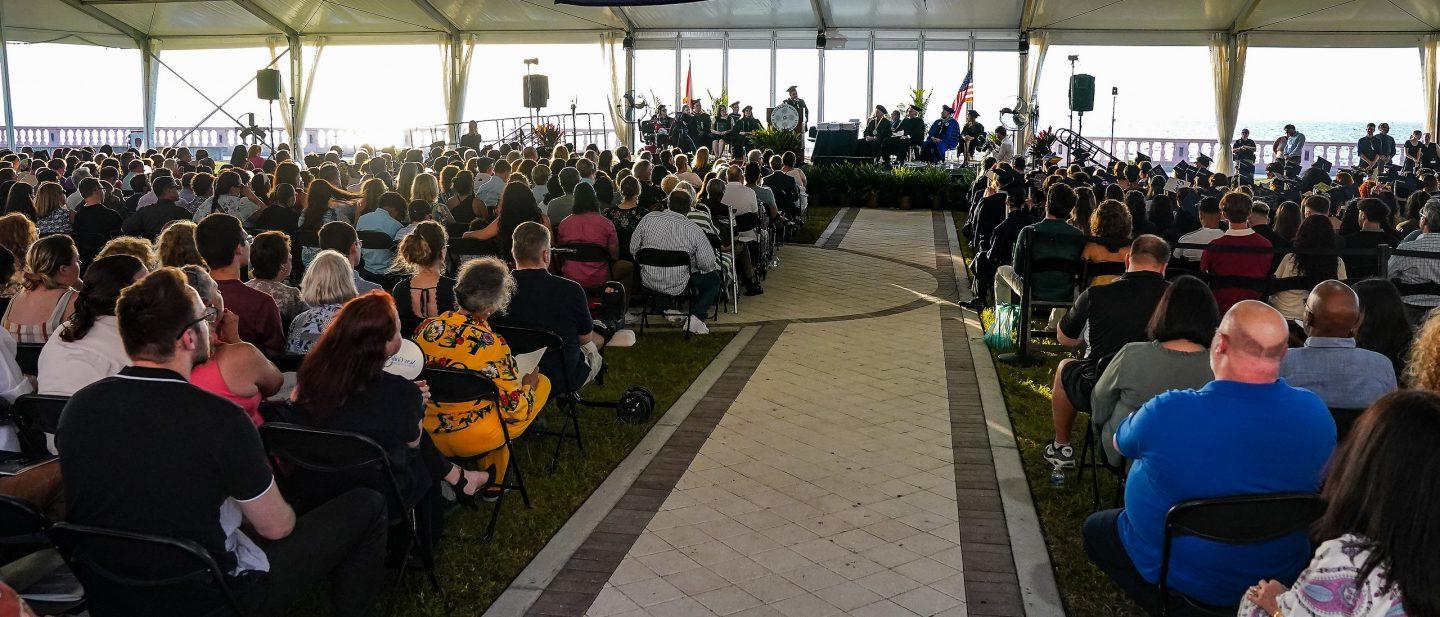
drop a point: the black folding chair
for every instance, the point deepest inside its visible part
(376, 240)
(1243, 519)
(1030, 267)
(583, 252)
(462, 386)
(35, 415)
(1092, 455)
(301, 239)
(1344, 421)
(23, 527)
(27, 356)
(359, 461)
(750, 221)
(462, 249)
(648, 299)
(289, 363)
(125, 573)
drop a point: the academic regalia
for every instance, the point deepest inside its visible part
(880, 130)
(976, 132)
(663, 132)
(801, 109)
(910, 134)
(948, 132)
(680, 134)
(744, 125)
(700, 128)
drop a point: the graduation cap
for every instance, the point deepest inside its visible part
(916, 109)
(947, 109)
(972, 113)
(1141, 158)
(1185, 171)
(1203, 160)
(790, 89)
(735, 104)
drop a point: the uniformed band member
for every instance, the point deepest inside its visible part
(972, 135)
(800, 108)
(943, 135)
(908, 135)
(877, 133)
(1244, 150)
(747, 124)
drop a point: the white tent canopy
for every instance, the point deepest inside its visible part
(305, 27)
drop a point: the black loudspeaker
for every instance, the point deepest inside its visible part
(536, 89)
(267, 84)
(1082, 92)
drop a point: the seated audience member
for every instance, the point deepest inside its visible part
(1111, 222)
(426, 292)
(990, 208)
(999, 246)
(1406, 269)
(342, 386)
(326, 286)
(1371, 235)
(1330, 365)
(51, 214)
(1209, 213)
(13, 383)
(1218, 441)
(88, 347)
(585, 225)
(198, 472)
(1104, 319)
(94, 223)
(223, 245)
(1236, 208)
(232, 196)
(672, 230)
(765, 197)
(1260, 222)
(139, 248)
(1314, 233)
(1380, 553)
(151, 220)
(463, 339)
(1384, 327)
(270, 268)
(559, 305)
(784, 187)
(1422, 370)
(385, 219)
(17, 234)
(1175, 358)
(280, 213)
(235, 371)
(627, 214)
(517, 205)
(558, 207)
(52, 269)
(1056, 286)
(463, 205)
(176, 246)
(340, 237)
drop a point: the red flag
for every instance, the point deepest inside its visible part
(687, 98)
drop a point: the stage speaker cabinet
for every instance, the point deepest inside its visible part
(267, 84)
(1082, 92)
(537, 91)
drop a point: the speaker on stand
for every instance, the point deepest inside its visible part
(267, 88)
(1082, 97)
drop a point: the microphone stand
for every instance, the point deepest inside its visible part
(1114, 98)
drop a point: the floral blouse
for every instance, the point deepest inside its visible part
(57, 222)
(1329, 588)
(308, 326)
(458, 341)
(625, 222)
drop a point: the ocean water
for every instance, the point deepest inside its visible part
(1262, 131)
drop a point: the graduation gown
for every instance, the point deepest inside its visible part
(700, 128)
(948, 131)
(880, 130)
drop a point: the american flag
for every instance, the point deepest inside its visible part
(966, 93)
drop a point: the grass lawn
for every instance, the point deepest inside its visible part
(473, 573)
(1087, 592)
(816, 220)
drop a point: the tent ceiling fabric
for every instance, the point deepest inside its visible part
(1114, 22)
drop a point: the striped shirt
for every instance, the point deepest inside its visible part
(671, 231)
(1408, 269)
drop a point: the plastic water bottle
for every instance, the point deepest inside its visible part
(1057, 477)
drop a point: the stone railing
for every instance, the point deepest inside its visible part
(1167, 152)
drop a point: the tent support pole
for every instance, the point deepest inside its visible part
(5, 81)
(150, 83)
(297, 70)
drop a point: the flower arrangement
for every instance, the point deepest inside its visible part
(1041, 144)
(548, 134)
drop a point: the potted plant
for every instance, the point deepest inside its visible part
(776, 140)
(935, 183)
(920, 97)
(904, 181)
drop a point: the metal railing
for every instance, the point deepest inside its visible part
(1168, 151)
(581, 129)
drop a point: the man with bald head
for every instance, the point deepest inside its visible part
(1329, 364)
(1247, 432)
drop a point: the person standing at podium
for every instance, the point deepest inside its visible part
(944, 134)
(877, 133)
(800, 109)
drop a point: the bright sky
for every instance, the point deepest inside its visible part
(382, 90)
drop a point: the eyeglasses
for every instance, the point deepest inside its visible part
(209, 314)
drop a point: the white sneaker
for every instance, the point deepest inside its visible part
(621, 338)
(676, 317)
(697, 326)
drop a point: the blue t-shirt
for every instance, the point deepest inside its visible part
(378, 261)
(1226, 439)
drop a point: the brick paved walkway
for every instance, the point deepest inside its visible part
(819, 475)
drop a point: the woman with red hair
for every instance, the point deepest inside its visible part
(341, 386)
